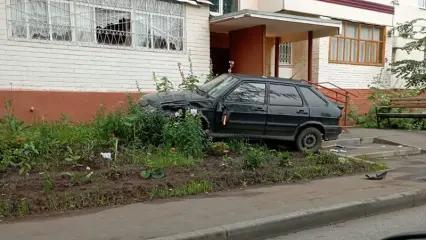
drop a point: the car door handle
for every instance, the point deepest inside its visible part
(301, 111)
(260, 109)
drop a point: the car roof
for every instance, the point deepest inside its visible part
(270, 79)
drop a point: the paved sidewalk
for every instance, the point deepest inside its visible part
(412, 138)
(148, 220)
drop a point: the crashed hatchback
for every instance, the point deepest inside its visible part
(235, 105)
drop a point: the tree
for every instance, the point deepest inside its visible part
(412, 71)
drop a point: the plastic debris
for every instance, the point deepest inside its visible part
(400, 146)
(338, 150)
(89, 175)
(379, 176)
(106, 155)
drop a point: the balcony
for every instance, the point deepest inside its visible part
(352, 10)
(221, 7)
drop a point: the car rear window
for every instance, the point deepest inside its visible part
(312, 98)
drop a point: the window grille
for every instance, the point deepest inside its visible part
(138, 24)
(285, 54)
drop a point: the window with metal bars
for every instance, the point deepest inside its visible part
(139, 24)
(285, 54)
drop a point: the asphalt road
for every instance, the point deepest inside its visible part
(374, 228)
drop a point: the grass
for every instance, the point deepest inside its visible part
(191, 188)
(130, 155)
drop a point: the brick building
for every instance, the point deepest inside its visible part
(70, 56)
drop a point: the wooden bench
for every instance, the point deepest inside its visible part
(404, 102)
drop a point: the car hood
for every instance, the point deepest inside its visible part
(176, 97)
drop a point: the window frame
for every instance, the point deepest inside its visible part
(422, 6)
(314, 92)
(382, 40)
(221, 8)
(286, 105)
(289, 46)
(94, 43)
(265, 98)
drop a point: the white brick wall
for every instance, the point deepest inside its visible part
(50, 66)
(342, 75)
(300, 60)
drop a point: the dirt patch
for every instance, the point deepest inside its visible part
(77, 188)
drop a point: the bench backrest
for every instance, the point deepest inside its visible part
(408, 102)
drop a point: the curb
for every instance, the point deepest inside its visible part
(376, 140)
(348, 141)
(392, 153)
(292, 222)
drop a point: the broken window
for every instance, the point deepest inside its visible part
(113, 27)
(140, 24)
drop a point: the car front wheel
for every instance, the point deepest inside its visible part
(309, 139)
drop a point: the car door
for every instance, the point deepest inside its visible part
(286, 111)
(246, 109)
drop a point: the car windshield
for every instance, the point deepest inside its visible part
(215, 87)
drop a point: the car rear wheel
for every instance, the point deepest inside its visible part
(309, 139)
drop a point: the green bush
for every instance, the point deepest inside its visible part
(218, 148)
(185, 134)
(254, 157)
(133, 124)
(237, 145)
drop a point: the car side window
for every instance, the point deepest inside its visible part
(284, 95)
(249, 93)
(312, 98)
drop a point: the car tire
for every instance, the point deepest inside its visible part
(309, 139)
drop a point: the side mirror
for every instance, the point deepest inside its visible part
(220, 106)
(407, 236)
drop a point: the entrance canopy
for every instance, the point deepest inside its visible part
(288, 27)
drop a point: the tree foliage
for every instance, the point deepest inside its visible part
(412, 71)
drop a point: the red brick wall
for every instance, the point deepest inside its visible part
(357, 97)
(32, 106)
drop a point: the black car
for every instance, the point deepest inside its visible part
(235, 105)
